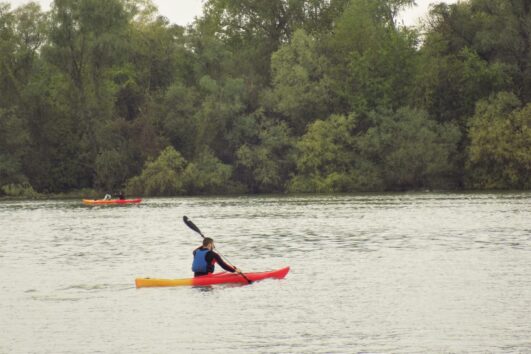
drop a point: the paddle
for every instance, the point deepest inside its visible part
(193, 226)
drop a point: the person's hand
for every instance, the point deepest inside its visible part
(236, 270)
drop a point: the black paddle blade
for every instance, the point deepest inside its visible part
(248, 280)
(191, 225)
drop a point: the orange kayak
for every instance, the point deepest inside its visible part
(111, 201)
(211, 279)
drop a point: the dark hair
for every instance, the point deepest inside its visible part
(207, 241)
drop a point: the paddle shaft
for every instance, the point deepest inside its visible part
(193, 226)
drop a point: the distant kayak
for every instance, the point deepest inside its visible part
(211, 279)
(111, 201)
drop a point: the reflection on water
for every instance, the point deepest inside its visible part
(419, 272)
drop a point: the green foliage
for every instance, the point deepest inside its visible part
(223, 101)
(450, 85)
(207, 175)
(500, 144)
(178, 117)
(157, 51)
(23, 190)
(56, 159)
(410, 150)
(402, 150)
(86, 39)
(372, 60)
(327, 157)
(263, 96)
(13, 140)
(382, 75)
(111, 170)
(498, 31)
(161, 177)
(254, 29)
(327, 146)
(264, 165)
(170, 175)
(300, 88)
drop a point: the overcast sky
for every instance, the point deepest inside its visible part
(183, 12)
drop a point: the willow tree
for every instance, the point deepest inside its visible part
(499, 156)
(372, 59)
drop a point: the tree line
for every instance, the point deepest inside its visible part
(264, 97)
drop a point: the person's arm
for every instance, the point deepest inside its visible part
(222, 263)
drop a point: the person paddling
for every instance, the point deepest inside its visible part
(205, 258)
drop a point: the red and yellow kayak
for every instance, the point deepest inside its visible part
(211, 279)
(111, 201)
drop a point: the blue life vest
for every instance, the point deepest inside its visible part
(200, 264)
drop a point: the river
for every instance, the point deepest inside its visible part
(378, 273)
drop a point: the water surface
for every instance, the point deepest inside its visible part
(399, 273)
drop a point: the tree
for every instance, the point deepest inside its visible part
(22, 32)
(497, 30)
(401, 150)
(263, 96)
(161, 177)
(222, 102)
(372, 61)
(86, 40)
(449, 86)
(178, 109)
(170, 174)
(500, 144)
(13, 146)
(207, 175)
(56, 158)
(455, 70)
(300, 89)
(253, 29)
(264, 166)
(410, 150)
(327, 156)
(111, 168)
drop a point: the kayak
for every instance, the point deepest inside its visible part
(111, 201)
(212, 279)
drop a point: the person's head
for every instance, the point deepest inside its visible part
(208, 243)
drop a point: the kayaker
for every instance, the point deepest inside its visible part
(121, 196)
(107, 197)
(205, 258)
